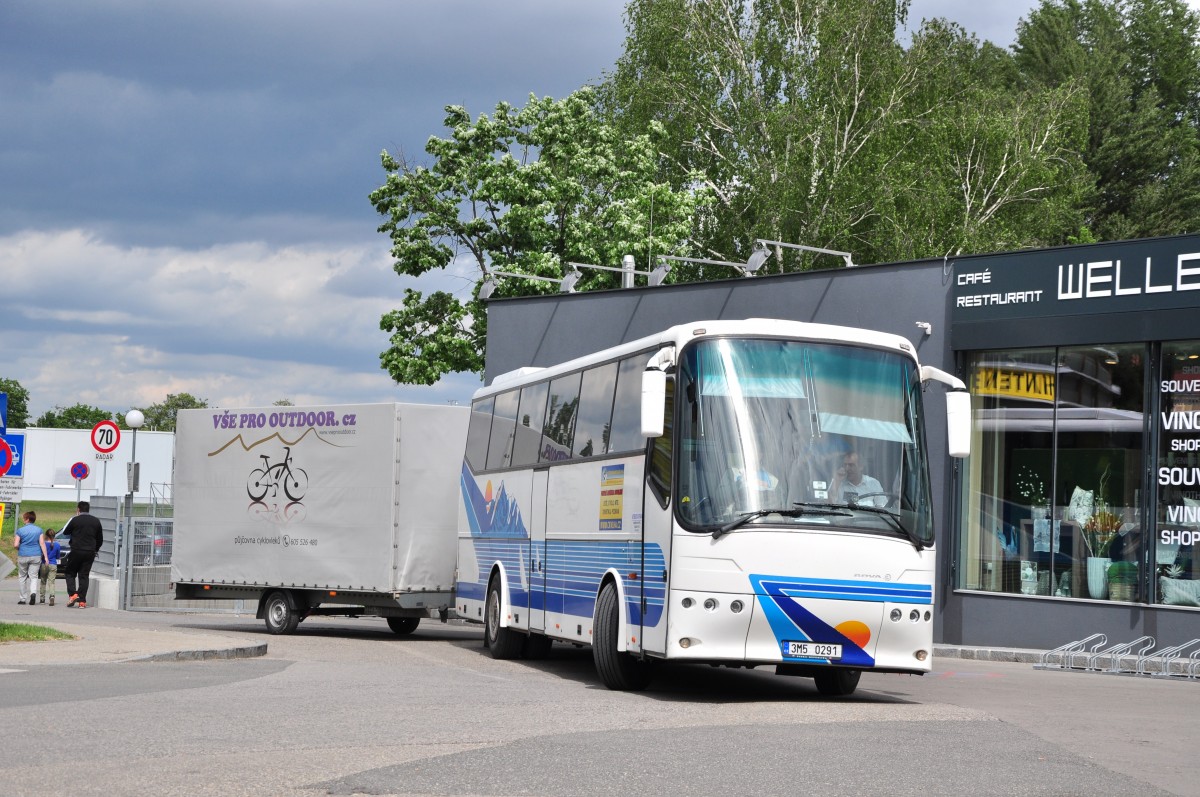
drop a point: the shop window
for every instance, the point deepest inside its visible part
(1177, 514)
(1055, 480)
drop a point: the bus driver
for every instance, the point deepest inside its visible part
(850, 482)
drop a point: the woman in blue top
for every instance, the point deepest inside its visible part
(28, 542)
(51, 549)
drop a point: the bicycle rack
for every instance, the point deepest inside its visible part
(1165, 659)
(1114, 655)
(1090, 655)
(1130, 649)
(1066, 652)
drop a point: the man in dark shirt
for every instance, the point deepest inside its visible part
(87, 536)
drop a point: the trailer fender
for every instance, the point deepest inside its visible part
(290, 595)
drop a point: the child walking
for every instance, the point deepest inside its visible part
(51, 549)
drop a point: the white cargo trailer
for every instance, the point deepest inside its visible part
(328, 510)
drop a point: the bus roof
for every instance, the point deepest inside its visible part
(680, 334)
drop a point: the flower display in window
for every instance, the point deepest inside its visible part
(1100, 530)
(1031, 487)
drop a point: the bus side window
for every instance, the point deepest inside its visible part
(595, 411)
(503, 425)
(659, 467)
(528, 436)
(560, 419)
(478, 434)
(626, 432)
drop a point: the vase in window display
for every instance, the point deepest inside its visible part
(1097, 577)
(1029, 578)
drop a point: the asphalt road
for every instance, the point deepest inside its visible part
(346, 707)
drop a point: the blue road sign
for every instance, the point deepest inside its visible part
(16, 442)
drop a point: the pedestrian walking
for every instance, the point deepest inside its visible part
(87, 537)
(51, 550)
(28, 542)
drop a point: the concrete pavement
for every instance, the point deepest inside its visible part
(104, 635)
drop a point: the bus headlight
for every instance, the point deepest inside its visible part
(710, 604)
(896, 615)
(921, 655)
(736, 607)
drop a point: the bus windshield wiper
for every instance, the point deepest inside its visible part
(797, 511)
(917, 542)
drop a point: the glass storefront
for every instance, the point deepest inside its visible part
(1177, 476)
(1054, 496)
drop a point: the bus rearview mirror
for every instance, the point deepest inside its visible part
(654, 399)
(958, 423)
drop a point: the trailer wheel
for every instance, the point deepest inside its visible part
(619, 671)
(838, 682)
(502, 643)
(280, 617)
(403, 626)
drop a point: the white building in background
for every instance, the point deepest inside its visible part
(50, 453)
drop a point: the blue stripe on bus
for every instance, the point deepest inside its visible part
(842, 589)
(573, 570)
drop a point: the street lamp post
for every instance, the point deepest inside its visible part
(134, 419)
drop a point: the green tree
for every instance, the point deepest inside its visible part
(525, 191)
(1138, 66)
(161, 417)
(812, 124)
(78, 416)
(18, 403)
(282, 403)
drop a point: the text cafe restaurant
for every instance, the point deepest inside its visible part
(1079, 509)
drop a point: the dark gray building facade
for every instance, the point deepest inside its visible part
(1079, 508)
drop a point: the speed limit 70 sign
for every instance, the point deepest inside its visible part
(106, 436)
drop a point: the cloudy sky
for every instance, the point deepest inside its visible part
(183, 186)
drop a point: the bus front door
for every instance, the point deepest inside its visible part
(656, 556)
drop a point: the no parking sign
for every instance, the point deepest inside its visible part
(79, 471)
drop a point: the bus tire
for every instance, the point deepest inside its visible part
(502, 643)
(403, 626)
(619, 671)
(837, 682)
(280, 616)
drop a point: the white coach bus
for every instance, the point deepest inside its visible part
(730, 492)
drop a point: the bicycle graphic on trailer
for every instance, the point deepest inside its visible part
(269, 478)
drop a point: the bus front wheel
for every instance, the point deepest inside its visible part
(618, 671)
(502, 643)
(837, 683)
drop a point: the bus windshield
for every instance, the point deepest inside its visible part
(800, 434)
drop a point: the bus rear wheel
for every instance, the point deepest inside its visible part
(502, 643)
(837, 682)
(619, 671)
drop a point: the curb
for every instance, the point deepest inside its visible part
(1017, 655)
(244, 652)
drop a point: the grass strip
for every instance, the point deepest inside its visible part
(24, 632)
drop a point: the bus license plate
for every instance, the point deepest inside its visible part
(812, 650)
